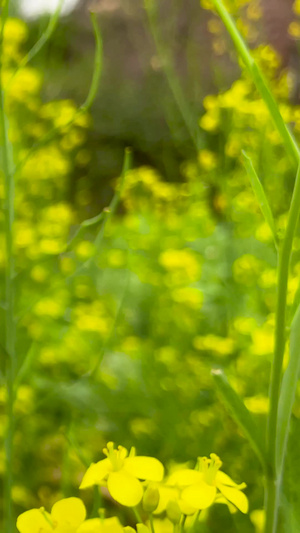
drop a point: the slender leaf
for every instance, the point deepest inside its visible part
(240, 414)
(260, 195)
(288, 389)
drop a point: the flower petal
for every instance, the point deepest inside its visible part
(185, 477)
(63, 528)
(144, 468)
(165, 495)
(68, 512)
(224, 479)
(222, 500)
(235, 496)
(124, 488)
(97, 525)
(185, 508)
(96, 473)
(199, 496)
(33, 521)
(163, 525)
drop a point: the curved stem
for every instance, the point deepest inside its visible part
(52, 134)
(40, 43)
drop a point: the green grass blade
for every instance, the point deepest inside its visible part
(261, 84)
(240, 414)
(288, 389)
(260, 195)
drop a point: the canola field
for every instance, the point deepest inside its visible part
(150, 347)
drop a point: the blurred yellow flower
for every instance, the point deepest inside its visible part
(207, 159)
(294, 29)
(15, 30)
(220, 345)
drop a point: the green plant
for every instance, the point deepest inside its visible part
(282, 392)
(12, 165)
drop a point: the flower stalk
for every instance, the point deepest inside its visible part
(275, 464)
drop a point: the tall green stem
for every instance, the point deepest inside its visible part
(274, 477)
(258, 78)
(9, 290)
(275, 467)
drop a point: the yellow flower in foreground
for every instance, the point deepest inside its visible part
(66, 516)
(206, 485)
(121, 473)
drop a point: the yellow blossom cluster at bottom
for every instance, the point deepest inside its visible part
(135, 481)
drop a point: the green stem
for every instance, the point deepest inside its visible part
(151, 523)
(182, 523)
(97, 67)
(54, 132)
(111, 209)
(137, 515)
(274, 477)
(40, 43)
(271, 505)
(9, 292)
(260, 82)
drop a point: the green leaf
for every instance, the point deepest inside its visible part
(240, 414)
(260, 195)
(288, 389)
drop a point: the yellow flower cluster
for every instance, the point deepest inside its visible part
(42, 165)
(132, 480)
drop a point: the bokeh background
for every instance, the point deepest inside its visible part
(117, 341)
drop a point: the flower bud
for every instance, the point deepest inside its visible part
(173, 512)
(128, 529)
(150, 498)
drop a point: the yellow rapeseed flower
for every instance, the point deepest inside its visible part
(209, 483)
(121, 473)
